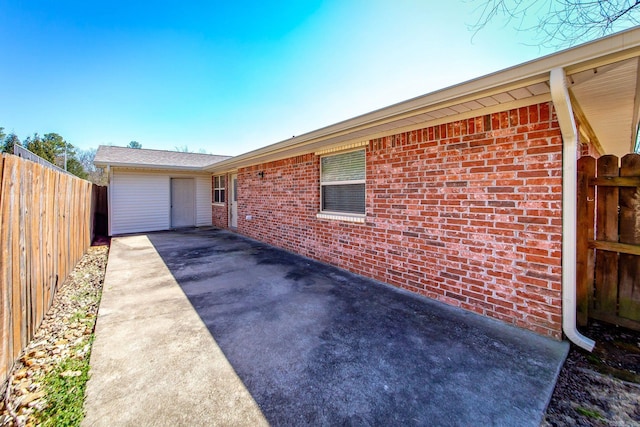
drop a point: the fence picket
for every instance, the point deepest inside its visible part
(585, 256)
(14, 216)
(4, 300)
(614, 295)
(607, 229)
(629, 285)
(45, 226)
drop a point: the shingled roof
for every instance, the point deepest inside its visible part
(153, 159)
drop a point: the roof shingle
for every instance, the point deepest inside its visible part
(139, 157)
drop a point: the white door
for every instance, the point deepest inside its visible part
(183, 202)
(233, 205)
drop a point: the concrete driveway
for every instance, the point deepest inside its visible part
(206, 327)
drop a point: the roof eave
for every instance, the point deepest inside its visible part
(149, 166)
(615, 47)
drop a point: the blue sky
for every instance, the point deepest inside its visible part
(229, 77)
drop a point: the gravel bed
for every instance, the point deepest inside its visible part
(66, 332)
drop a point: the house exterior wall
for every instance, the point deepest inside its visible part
(220, 215)
(203, 200)
(588, 148)
(140, 201)
(220, 211)
(468, 213)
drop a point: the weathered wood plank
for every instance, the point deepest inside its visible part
(16, 295)
(61, 225)
(67, 256)
(32, 254)
(607, 229)
(36, 242)
(584, 255)
(5, 297)
(22, 255)
(623, 248)
(591, 212)
(615, 320)
(46, 237)
(27, 213)
(43, 231)
(626, 181)
(629, 276)
(53, 220)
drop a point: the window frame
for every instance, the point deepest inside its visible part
(344, 215)
(219, 189)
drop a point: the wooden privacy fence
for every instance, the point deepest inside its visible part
(45, 228)
(608, 243)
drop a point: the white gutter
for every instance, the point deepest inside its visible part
(564, 112)
(148, 166)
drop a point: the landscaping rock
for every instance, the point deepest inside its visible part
(65, 331)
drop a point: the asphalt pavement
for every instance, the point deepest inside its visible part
(207, 327)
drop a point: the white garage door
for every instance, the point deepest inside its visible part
(139, 202)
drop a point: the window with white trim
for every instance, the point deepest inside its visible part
(218, 189)
(342, 183)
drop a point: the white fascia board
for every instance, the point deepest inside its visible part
(150, 167)
(606, 50)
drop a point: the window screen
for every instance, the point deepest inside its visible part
(342, 182)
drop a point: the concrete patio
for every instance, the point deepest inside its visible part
(206, 327)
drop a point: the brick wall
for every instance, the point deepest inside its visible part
(468, 213)
(588, 149)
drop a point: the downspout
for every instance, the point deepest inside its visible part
(564, 112)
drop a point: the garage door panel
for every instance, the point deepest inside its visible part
(140, 202)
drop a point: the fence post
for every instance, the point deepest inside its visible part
(584, 255)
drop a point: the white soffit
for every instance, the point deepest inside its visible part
(607, 98)
(468, 107)
(497, 102)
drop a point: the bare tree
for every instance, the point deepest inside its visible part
(96, 175)
(560, 23)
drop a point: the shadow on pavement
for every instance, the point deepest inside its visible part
(317, 345)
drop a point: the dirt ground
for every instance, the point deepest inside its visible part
(601, 388)
(594, 389)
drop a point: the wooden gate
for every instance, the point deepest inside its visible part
(608, 240)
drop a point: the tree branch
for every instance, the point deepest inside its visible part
(559, 23)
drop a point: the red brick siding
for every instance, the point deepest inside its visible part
(588, 149)
(468, 213)
(219, 212)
